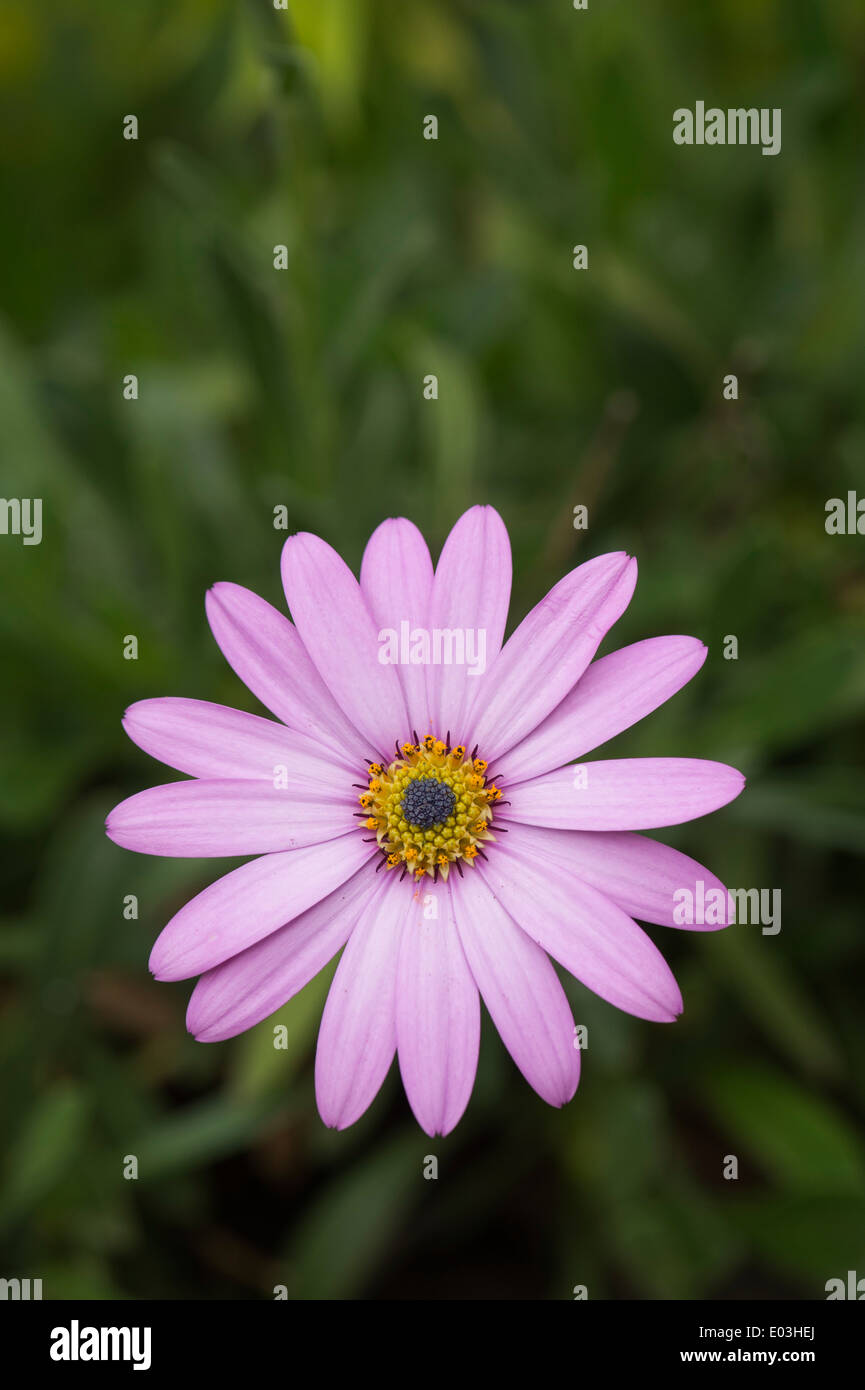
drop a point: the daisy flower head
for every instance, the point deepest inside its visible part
(421, 803)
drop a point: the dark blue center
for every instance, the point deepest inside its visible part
(428, 802)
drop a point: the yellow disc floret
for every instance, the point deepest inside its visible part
(430, 809)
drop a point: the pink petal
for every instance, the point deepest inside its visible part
(471, 591)
(624, 794)
(250, 986)
(396, 579)
(208, 740)
(266, 652)
(520, 988)
(222, 817)
(249, 903)
(438, 1014)
(639, 874)
(357, 1039)
(582, 929)
(610, 696)
(542, 661)
(332, 618)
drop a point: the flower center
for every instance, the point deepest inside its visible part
(430, 808)
(428, 803)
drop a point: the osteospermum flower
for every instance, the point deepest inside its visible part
(426, 817)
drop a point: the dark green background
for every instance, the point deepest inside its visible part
(303, 388)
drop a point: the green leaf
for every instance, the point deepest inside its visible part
(814, 1238)
(258, 1068)
(46, 1145)
(347, 1231)
(199, 1134)
(795, 1136)
(769, 990)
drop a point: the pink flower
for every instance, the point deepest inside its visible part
(426, 816)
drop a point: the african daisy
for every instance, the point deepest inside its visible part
(428, 818)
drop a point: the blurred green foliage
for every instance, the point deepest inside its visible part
(557, 387)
